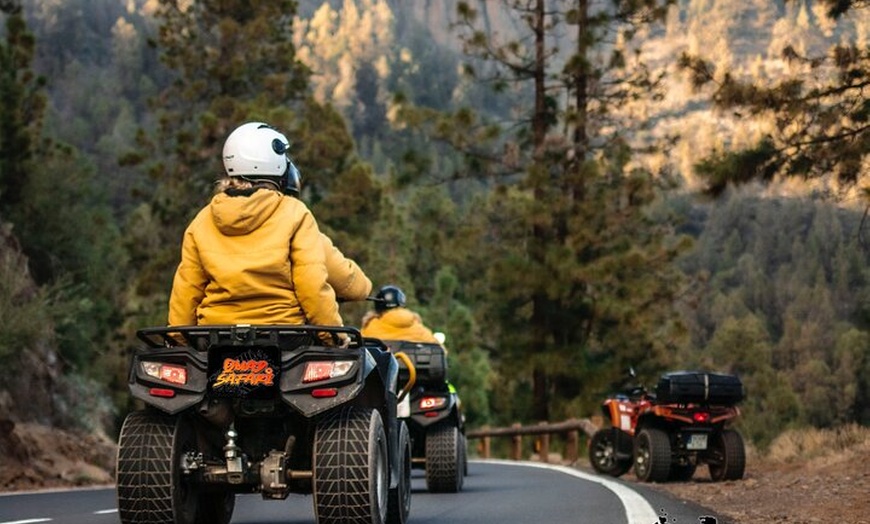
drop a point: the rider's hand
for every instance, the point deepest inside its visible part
(331, 339)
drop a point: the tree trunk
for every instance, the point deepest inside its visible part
(538, 246)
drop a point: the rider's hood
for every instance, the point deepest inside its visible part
(400, 317)
(240, 212)
(398, 324)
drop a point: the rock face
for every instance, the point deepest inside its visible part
(30, 373)
(34, 452)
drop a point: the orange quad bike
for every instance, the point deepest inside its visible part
(666, 435)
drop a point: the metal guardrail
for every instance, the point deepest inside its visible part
(571, 428)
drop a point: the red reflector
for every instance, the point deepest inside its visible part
(430, 414)
(701, 417)
(324, 393)
(161, 392)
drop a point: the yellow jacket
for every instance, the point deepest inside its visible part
(253, 257)
(345, 276)
(397, 324)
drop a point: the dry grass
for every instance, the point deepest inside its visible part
(813, 443)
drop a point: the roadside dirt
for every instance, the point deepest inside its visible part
(798, 483)
(35, 457)
(830, 487)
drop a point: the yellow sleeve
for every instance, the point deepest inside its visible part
(345, 275)
(308, 266)
(188, 285)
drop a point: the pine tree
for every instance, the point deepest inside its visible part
(572, 264)
(22, 108)
(48, 190)
(820, 110)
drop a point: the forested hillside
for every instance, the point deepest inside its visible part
(560, 214)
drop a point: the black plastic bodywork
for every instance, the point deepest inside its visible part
(289, 407)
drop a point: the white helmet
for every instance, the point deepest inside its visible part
(256, 150)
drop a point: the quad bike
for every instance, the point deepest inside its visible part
(434, 417)
(666, 435)
(263, 409)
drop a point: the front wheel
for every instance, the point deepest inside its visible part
(652, 455)
(351, 470)
(726, 456)
(464, 449)
(151, 487)
(400, 496)
(607, 452)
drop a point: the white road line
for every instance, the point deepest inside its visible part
(28, 521)
(637, 509)
(104, 511)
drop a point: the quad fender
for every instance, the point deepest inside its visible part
(299, 395)
(173, 398)
(449, 411)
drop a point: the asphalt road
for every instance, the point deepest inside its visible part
(495, 492)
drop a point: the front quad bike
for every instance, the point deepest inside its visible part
(434, 416)
(666, 435)
(262, 409)
(611, 447)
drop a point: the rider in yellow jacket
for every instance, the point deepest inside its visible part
(254, 254)
(391, 320)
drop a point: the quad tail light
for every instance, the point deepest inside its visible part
(701, 417)
(432, 402)
(172, 373)
(322, 370)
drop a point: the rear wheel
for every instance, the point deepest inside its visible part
(400, 496)
(726, 456)
(443, 459)
(610, 452)
(151, 486)
(351, 470)
(652, 455)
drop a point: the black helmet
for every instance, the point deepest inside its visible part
(389, 297)
(292, 180)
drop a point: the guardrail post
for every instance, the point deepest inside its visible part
(486, 444)
(571, 446)
(544, 451)
(517, 448)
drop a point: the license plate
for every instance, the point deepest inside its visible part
(697, 441)
(404, 407)
(251, 374)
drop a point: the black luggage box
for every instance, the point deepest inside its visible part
(430, 360)
(699, 387)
